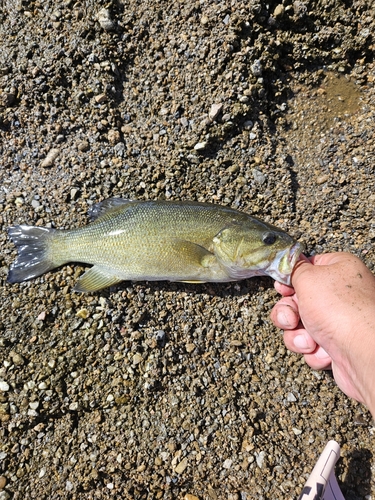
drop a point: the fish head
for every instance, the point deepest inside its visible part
(255, 248)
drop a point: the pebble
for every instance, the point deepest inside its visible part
(215, 111)
(322, 179)
(17, 358)
(4, 386)
(113, 137)
(181, 466)
(3, 482)
(49, 160)
(190, 347)
(83, 313)
(260, 457)
(200, 145)
(279, 11)
(101, 98)
(259, 176)
(227, 463)
(83, 146)
(105, 19)
(69, 486)
(137, 358)
(291, 397)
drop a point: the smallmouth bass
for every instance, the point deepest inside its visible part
(157, 240)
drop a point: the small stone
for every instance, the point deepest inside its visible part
(204, 20)
(137, 358)
(190, 347)
(7, 99)
(228, 463)
(113, 137)
(279, 11)
(100, 98)
(322, 179)
(83, 313)
(189, 496)
(69, 486)
(215, 111)
(4, 495)
(49, 160)
(17, 358)
(200, 145)
(73, 193)
(34, 405)
(256, 68)
(259, 457)
(181, 466)
(83, 146)
(105, 20)
(4, 386)
(259, 176)
(3, 482)
(291, 397)
(296, 431)
(51, 363)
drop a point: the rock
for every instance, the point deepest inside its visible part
(113, 137)
(49, 160)
(259, 176)
(84, 146)
(105, 20)
(215, 110)
(4, 386)
(181, 466)
(3, 482)
(279, 11)
(101, 98)
(200, 145)
(260, 457)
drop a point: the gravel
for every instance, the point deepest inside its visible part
(165, 390)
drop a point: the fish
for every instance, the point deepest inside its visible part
(134, 240)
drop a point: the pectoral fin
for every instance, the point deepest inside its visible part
(195, 260)
(95, 279)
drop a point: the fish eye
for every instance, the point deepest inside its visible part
(269, 238)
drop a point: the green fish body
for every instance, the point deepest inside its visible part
(158, 240)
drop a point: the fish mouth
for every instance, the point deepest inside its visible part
(294, 254)
(283, 265)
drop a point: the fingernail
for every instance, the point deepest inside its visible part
(300, 342)
(321, 353)
(283, 320)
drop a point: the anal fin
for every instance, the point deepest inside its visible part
(95, 279)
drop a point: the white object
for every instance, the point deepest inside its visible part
(322, 482)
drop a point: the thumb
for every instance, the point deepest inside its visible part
(302, 271)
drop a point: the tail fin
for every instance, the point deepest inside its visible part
(33, 256)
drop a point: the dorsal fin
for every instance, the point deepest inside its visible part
(107, 207)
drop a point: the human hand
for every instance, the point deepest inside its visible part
(328, 315)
